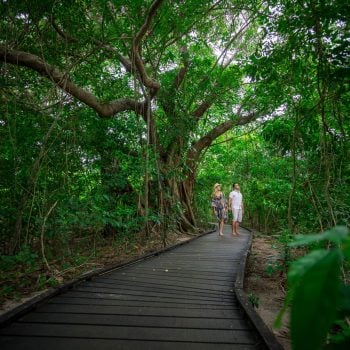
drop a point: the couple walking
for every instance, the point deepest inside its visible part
(235, 204)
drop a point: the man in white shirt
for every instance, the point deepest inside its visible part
(236, 204)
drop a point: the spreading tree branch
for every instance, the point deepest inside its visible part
(99, 44)
(180, 76)
(209, 101)
(206, 140)
(206, 104)
(201, 109)
(62, 33)
(135, 64)
(136, 50)
(62, 80)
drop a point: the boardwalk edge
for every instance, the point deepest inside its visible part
(264, 331)
(40, 299)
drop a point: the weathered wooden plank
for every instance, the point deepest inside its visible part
(129, 320)
(140, 303)
(169, 271)
(174, 274)
(226, 295)
(163, 281)
(211, 266)
(123, 310)
(171, 275)
(176, 283)
(136, 295)
(209, 260)
(55, 343)
(151, 295)
(216, 259)
(213, 272)
(144, 286)
(178, 290)
(144, 302)
(190, 266)
(181, 294)
(138, 333)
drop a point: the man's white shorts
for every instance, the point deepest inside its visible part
(237, 215)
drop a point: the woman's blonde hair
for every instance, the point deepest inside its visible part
(216, 185)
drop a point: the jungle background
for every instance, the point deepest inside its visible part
(117, 118)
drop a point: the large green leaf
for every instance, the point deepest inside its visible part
(301, 266)
(337, 235)
(315, 302)
(344, 305)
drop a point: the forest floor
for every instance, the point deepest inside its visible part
(265, 284)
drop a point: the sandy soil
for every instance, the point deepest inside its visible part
(265, 281)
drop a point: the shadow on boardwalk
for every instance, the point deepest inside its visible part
(182, 299)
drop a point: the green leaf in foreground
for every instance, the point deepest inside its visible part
(337, 235)
(315, 299)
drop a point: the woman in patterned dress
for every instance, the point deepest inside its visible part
(218, 204)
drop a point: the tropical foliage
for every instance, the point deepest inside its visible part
(117, 117)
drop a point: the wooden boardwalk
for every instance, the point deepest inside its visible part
(181, 299)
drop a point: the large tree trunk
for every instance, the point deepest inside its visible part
(179, 188)
(186, 198)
